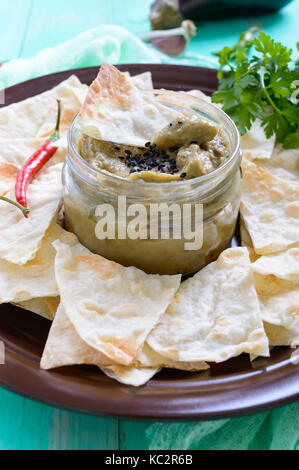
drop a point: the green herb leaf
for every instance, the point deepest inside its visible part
(256, 80)
(291, 141)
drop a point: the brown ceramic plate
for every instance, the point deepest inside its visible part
(232, 388)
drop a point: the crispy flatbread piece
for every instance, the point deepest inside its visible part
(270, 210)
(283, 163)
(255, 143)
(64, 347)
(215, 315)
(20, 238)
(130, 375)
(116, 110)
(17, 151)
(143, 80)
(36, 278)
(284, 265)
(277, 284)
(281, 336)
(199, 94)
(36, 116)
(44, 306)
(245, 237)
(113, 308)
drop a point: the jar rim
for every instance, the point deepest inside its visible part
(173, 184)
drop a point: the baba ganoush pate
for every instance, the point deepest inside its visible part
(184, 149)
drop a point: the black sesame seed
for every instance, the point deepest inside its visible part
(175, 170)
(117, 147)
(183, 175)
(180, 122)
(128, 152)
(132, 170)
(147, 144)
(121, 158)
(170, 125)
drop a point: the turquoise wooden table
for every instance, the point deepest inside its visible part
(26, 27)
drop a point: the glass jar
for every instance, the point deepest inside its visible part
(85, 188)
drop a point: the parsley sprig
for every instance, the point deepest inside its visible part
(258, 79)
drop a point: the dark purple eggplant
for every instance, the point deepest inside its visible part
(167, 14)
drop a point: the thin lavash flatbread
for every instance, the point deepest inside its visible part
(284, 265)
(20, 238)
(43, 306)
(215, 314)
(281, 336)
(279, 303)
(283, 163)
(17, 151)
(112, 307)
(36, 278)
(64, 347)
(116, 110)
(270, 210)
(245, 237)
(142, 80)
(277, 284)
(130, 375)
(255, 144)
(36, 116)
(198, 94)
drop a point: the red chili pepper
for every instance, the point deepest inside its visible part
(35, 163)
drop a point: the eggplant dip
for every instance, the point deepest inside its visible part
(184, 149)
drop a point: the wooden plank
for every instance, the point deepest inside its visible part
(135, 435)
(29, 425)
(13, 21)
